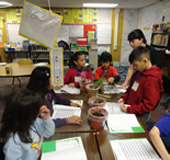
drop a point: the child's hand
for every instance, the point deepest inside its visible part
(111, 80)
(124, 108)
(74, 120)
(57, 87)
(75, 105)
(44, 112)
(71, 85)
(120, 101)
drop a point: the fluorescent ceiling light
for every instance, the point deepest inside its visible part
(100, 5)
(4, 4)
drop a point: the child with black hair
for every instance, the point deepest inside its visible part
(137, 38)
(145, 89)
(25, 123)
(40, 83)
(77, 70)
(105, 70)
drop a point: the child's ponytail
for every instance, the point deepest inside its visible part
(73, 58)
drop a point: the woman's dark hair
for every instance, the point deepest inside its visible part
(21, 111)
(39, 81)
(105, 57)
(73, 58)
(138, 53)
(136, 34)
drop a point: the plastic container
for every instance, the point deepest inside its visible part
(97, 117)
(101, 101)
(92, 90)
(83, 84)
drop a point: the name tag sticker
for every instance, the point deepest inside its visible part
(77, 79)
(135, 86)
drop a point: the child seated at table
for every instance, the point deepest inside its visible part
(145, 89)
(40, 83)
(77, 70)
(25, 123)
(106, 70)
(160, 134)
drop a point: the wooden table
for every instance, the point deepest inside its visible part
(96, 143)
(84, 127)
(89, 143)
(17, 70)
(104, 137)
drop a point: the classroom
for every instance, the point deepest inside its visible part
(85, 80)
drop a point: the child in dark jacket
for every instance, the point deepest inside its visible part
(145, 89)
(40, 83)
(105, 70)
(77, 70)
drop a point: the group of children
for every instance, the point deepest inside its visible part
(26, 119)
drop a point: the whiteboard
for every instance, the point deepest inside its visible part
(104, 33)
(76, 30)
(40, 25)
(12, 32)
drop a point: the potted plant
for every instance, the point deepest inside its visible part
(97, 117)
(96, 101)
(83, 84)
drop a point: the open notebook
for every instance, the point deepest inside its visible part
(112, 89)
(66, 89)
(64, 149)
(121, 122)
(63, 111)
(133, 149)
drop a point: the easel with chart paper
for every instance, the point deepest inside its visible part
(40, 25)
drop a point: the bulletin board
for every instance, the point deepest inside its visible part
(83, 32)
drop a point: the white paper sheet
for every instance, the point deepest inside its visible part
(63, 111)
(113, 89)
(114, 108)
(80, 102)
(70, 148)
(122, 122)
(66, 89)
(133, 149)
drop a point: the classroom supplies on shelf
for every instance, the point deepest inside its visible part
(124, 123)
(63, 111)
(112, 89)
(133, 149)
(64, 149)
(67, 89)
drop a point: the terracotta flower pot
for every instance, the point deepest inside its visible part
(83, 84)
(96, 101)
(90, 88)
(97, 117)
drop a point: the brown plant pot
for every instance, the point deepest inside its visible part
(97, 117)
(92, 101)
(83, 84)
